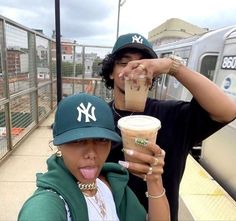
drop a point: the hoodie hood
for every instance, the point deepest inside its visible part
(59, 179)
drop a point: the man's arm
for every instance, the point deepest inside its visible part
(220, 106)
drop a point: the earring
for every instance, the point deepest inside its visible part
(58, 153)
(111, 77)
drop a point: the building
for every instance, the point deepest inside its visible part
(173, 29)
(17, 61)
(67, 49)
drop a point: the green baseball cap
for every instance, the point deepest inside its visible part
(134, 40)
(83, 116)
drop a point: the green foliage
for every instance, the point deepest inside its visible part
(67, 69)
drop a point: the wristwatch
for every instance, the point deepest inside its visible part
(177, 62)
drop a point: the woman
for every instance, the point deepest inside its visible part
(78, 185)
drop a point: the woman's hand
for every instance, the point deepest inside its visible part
(148, 166)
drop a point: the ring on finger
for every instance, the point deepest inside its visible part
(162, 153)
(149, 171)
(155, 161)
(142, 67)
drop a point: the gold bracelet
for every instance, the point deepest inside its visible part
(157, 196)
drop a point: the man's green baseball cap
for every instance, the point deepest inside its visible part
(134, 40)
(83, 116)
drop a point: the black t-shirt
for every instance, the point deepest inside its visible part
(183, 125)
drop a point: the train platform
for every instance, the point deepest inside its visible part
(201, 198)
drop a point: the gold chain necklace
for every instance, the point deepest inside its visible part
(98, 202)
(87, 186)
(114, 109)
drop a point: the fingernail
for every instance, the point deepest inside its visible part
(163, 152)
(120, 75)
(128, 151)
(124, 163)
(141, 141)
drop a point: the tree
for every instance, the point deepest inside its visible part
(67, 69)
(79, 69)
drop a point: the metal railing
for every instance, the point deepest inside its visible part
(28, 92)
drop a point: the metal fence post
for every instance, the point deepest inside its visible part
(58, 50)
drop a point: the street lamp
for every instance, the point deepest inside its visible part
(120, 4)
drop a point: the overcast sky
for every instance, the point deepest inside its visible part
(95, 21)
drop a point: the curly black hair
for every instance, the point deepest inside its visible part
(108, 64)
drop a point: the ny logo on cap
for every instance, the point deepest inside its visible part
(85, 110)
(137, 39)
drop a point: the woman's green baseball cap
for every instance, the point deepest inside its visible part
(83, 116)
(134, 40)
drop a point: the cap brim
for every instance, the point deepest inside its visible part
(86, 133)
(141, 47)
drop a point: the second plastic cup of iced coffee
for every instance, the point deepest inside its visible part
(135, 97)
(136, 131)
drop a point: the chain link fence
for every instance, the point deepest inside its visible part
(28, 87)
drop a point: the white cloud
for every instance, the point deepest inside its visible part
(143, 16)
(17, 13)
(95, 22)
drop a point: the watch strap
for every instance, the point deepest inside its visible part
(176, 63)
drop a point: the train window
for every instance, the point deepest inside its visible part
(166, 55)
(183, 52)
(167, 79)
(208, 66)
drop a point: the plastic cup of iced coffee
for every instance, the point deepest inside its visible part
(136, 131)
(135, 97)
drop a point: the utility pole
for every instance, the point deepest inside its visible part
(120, 4)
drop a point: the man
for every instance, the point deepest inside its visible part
(184, 124)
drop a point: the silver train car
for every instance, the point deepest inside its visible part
(214, 55)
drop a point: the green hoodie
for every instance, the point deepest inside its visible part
(47, 205)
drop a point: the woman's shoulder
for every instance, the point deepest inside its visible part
(43, 205)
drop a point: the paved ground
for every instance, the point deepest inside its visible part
(17, 172)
